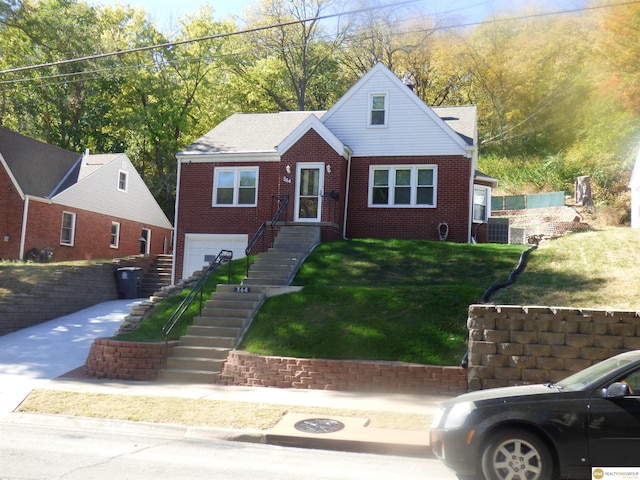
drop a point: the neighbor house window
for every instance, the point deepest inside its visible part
(402, 186)
(378, 110)
(481, 196)
(235, 186)
(67, 233)
(122, 181)
(115, 234)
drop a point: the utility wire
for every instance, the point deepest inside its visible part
(200, 39)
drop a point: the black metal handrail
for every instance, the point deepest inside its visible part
(283, 202)
(224, 256)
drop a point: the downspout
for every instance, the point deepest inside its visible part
(175, 225)
(346, 193)
(23, 233)
(472, 174)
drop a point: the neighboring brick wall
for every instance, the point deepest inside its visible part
(243, 368)
(10, 217)
(68, 291)
(118, 360)
(92, 233)
(515, 345)
(412, 223)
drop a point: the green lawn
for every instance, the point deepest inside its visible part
(381, 300)
(370, 299)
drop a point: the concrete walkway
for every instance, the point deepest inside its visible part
(44, 355)
(32, 356)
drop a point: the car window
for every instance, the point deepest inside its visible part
(588, 376)
(633, 380)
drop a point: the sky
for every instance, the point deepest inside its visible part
(162, 12)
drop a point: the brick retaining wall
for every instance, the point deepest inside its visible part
(243, 368)
(515, 345)
(119, 360)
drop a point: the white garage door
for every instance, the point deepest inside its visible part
(199, 247)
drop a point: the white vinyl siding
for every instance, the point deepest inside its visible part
(99, 193)
(403, 186)
(68, 229)
(235, 187)
(409, 130)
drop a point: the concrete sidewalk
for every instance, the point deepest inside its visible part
(45, 357)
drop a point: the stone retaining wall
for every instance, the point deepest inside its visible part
(67, 291)
(118, 360)
(243, 368)
(516, 345)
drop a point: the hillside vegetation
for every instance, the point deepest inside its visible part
(591, 269)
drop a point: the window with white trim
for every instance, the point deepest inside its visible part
(115, 235)
(403, 186)
(235, 186)
(378, 116)
(68, 230)
(481, 196)
(123, 178)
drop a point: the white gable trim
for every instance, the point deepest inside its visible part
(13, 179)
(313, 123)
(381, 68)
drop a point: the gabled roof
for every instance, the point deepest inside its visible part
(313, 123)
(37, 167)
(248, 133)
(463, 139)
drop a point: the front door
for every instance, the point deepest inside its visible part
(310, 185)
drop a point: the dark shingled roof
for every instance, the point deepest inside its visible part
(37, 166)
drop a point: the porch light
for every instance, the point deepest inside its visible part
(288, 168)
(328, 168)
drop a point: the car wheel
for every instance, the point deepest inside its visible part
(516, 455)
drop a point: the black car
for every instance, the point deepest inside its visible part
(539, 432)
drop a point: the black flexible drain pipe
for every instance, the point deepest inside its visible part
(512, 277)
(497, 286)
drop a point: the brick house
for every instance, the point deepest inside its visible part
(64, 206)
(380, 163)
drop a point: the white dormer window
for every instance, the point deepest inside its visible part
(122, 181)
(378, 114)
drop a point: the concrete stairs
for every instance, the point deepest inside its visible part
(223, 321)
(158, 276)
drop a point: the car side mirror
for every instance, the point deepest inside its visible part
(618, 390)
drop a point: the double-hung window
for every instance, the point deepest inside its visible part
(378, 113)
(123, 181)
(481, 196)
(115, 235)
(234, 186)
(67, 232)
(403, 186)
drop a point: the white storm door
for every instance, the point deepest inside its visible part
(309, 189)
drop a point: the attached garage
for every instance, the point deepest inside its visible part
(200, 247)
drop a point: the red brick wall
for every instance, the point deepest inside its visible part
(312, 148)
(244, 368)
(412, 223)
(119, 360)
(92, 233)
(10, 218)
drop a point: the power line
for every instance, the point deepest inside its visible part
(200, 39)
